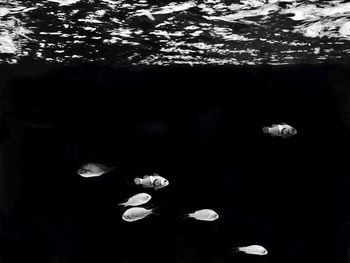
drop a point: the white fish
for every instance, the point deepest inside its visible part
(204, 215)
(152, 181)
(253, 250)
(136, 213)
(280, 130)
(93, 170)
(138, 199)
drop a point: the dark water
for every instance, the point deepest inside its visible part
(198, 127)
(164, 32)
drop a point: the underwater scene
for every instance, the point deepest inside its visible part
(177, 164)
(198, 131)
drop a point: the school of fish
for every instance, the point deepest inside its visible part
(155, 181)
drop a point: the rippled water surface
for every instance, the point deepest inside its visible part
(162, 32)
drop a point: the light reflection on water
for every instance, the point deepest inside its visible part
(161, 32)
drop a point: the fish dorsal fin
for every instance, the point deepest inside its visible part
(283, 123)
(274, 125)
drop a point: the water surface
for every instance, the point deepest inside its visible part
(162, 32)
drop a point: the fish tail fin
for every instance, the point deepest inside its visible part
(122, 204)
(112, 168)
(155, 210)
(184, 216)
(265, 129)
(137, 180)
(234, 250)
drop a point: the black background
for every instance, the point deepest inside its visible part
(199, 127)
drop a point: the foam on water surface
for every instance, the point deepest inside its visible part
(165, 32)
